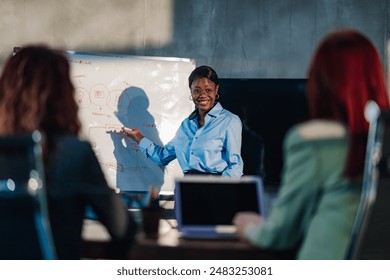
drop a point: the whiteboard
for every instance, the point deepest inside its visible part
(149, 93)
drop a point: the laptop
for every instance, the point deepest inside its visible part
(206, 205)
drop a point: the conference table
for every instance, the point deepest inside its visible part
(169, 245)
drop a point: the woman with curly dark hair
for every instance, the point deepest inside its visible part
(36, 93)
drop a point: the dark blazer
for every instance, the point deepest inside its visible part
(74, 181)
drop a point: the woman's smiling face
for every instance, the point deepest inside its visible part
(204, 94)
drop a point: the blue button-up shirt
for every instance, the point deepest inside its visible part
(213, 148)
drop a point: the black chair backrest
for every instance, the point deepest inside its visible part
(24, 225)
(252, 153)
(371, 233)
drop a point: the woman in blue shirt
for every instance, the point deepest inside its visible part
(208, 141)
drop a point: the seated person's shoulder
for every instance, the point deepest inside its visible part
(321, 129)
(318, 130)
(73, 148)
(70, 141)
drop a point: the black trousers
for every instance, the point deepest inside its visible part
(197, 172)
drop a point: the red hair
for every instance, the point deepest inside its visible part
(345, 73)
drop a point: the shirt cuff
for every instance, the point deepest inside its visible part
(144, 143)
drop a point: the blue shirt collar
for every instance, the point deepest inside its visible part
(214, 112)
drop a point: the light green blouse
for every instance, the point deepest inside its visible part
(316, 205)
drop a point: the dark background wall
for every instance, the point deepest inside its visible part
(240, 39)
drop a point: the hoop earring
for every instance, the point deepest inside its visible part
(190, 97)
(217, 96)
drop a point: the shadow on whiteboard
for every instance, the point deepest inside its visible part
(137, 173)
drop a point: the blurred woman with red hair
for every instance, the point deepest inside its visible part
(36, 93)
(324, 157)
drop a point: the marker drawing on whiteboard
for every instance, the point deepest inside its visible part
(110, 128)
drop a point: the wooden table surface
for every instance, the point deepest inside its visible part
(171, 246)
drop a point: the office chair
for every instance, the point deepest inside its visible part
(371, 232)
(24, 223)
(252, 153)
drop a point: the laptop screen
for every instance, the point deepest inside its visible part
(211, 200)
